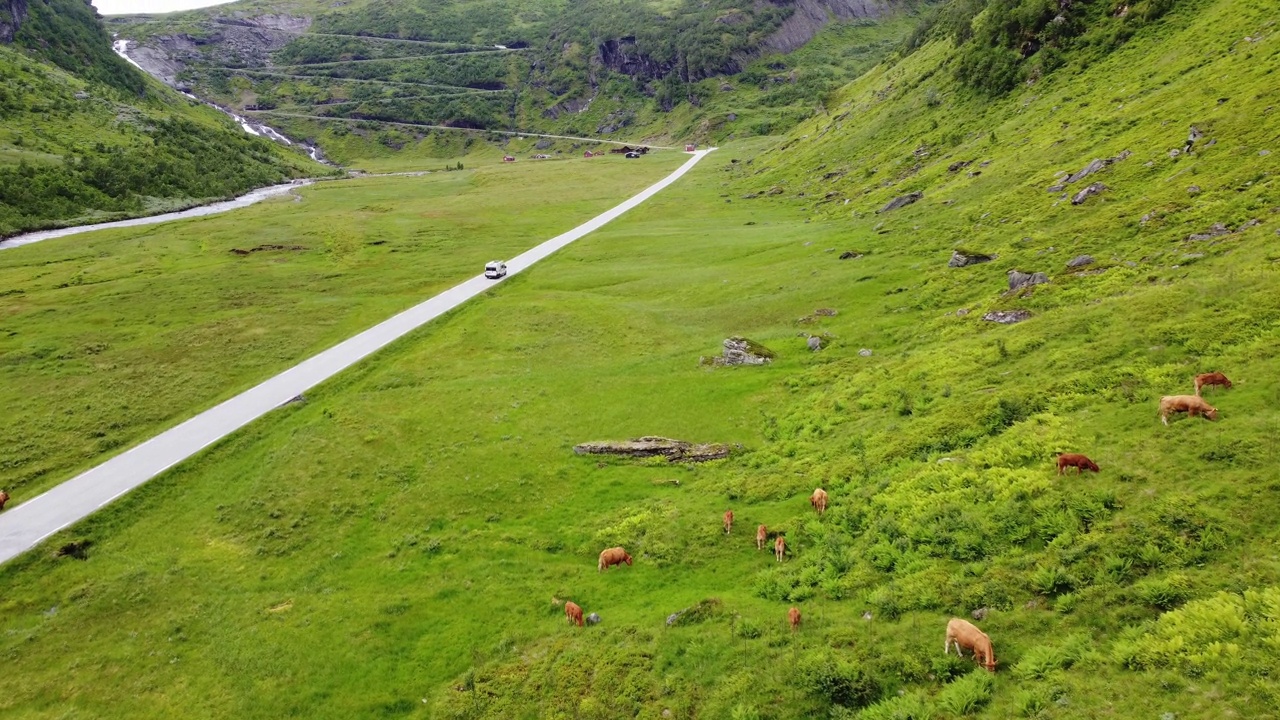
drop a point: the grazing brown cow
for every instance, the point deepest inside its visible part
(1192, 405)
(1213, 378)
(1077, 461)
(779, 547)
(819, 500)
(728, 521)
(793, 616)
(611, 557)
(4, 498)
(573, 611)
(966, 635)
(762, 535)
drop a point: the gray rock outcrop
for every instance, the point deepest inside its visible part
(1019, 279)
(12, 15)
(961, 259)
(741, 351)
(810, 16)
(1080, 261)
(1006, 317)
(901, 201)
(1096, 165)
(654, 446)
(593, 619)
(1088, 192)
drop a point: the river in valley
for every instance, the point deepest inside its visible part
(219, 207)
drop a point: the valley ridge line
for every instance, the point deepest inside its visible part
(24, 526)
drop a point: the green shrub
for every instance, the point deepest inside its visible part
(1049, 581)
(836, 681)
(912, 706)
(966, 695)
(1165, 593)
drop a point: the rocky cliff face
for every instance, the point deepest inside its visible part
(622, 55)
(234, 42)
(12, 13)
(811, 16)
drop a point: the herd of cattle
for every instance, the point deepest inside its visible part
(961, 634)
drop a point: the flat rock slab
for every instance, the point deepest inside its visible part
(654, 446)
(901, 201)
(1007, 317)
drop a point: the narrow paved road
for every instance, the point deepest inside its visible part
(23, 527)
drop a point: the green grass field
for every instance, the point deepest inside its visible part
(392, 547)
(107, 338)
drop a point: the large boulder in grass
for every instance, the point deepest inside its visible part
(1019, 279)
(961, 258)
(901, 201)
(742, 351)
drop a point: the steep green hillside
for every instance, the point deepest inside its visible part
(84, 136)
(688, 69)
(396, 545)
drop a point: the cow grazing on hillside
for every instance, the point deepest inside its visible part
(1213, 378)
(762, 536)
(611, 557)
(573, 612)
(965, 635)
(779, 547)
(4, 498)
(728, 521)
(1192, 405)
(819, 500)
(793, 616)
(1077, 461)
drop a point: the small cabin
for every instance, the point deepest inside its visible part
(588, 154)
(690, 147)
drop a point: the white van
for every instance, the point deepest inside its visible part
(495, 270)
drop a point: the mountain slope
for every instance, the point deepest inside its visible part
(85, 136)
(585, 68)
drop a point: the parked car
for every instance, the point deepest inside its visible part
(495, 270)
(633, 156)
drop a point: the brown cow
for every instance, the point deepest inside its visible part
(4, 498)
(819, 500)
(573, 611)
(611, 557)
(780, 547)
(793, 616)
(1192, 405)
(1213, 378)
(1077, 461)
(728, 521)
(762, 535)
(966, 635)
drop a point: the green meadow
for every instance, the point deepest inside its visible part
(395, 545)
(110, 337)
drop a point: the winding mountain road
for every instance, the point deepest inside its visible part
(24, 526)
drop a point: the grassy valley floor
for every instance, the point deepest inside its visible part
(108, 338)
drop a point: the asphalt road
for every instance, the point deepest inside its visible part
(24, 526)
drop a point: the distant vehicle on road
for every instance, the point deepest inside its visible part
(495, 270)
(633, 156)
